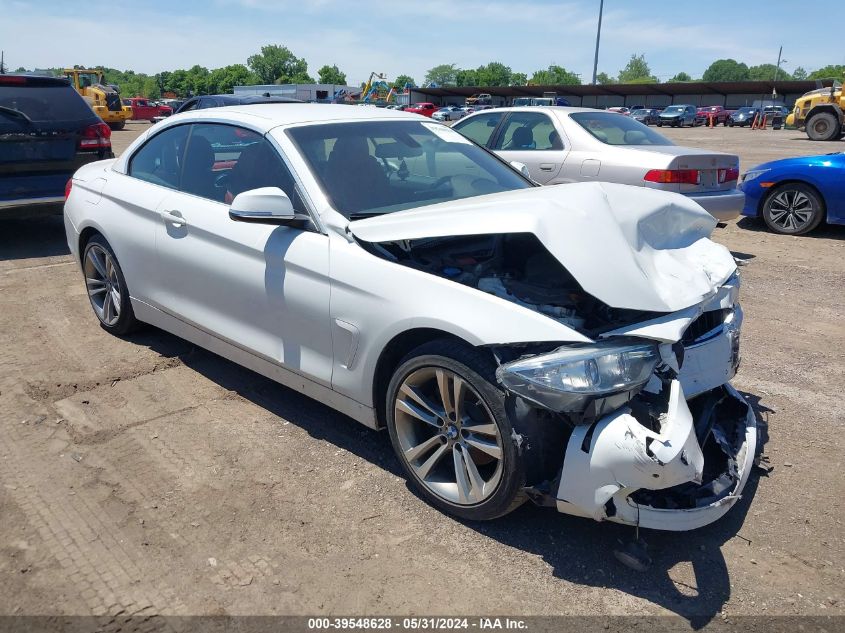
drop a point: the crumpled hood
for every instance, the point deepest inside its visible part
(630, 247)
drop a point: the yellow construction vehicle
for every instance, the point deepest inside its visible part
(821, 113)
(103, 98)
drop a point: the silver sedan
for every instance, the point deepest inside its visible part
(560, 145)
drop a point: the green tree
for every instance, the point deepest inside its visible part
(636, 70)
(828, 72)
(467, 77)
(519, 79)
(331, 75)
(681, 76)
(726, 70)
(494, 74)
(555, 76)
(442, 75)
(766, 72)
(799, 74)
(604, 79)
(402, 80)
(223, 80)
(277, 64)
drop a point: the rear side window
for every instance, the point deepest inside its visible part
(528, 131)
(612, 129)
(479, 128)
(159, 161)
(44, 103)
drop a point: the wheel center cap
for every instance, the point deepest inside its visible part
(451, 431)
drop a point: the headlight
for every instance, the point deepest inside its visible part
(569, 378)
(754, 173)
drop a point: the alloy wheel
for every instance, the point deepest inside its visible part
(102, 283)
(791, 210)
(448, 436)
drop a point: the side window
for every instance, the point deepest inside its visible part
(528, 131)
(190, 105)
(479, 128)
(159, 160)
(224, 160)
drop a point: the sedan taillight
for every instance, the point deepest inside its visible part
(673, 176)
(95, 137)
(727, 175)
(68, 187)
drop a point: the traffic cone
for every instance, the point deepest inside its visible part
(711, 117)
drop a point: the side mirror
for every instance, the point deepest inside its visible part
(267, 205)
(522, 168)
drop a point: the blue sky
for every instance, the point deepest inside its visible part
(410, 36)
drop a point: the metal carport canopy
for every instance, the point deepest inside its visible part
(619, 90)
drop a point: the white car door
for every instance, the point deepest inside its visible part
(531, 138)
(264, 288)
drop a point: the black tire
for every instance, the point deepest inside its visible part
(117, 126)
(729, 123)
(126, 321)
(477, 369)
(823, 126)
(659, 124)
(795, 191)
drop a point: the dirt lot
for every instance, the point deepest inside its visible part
(144, 475)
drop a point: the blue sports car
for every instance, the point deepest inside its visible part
(795, 195)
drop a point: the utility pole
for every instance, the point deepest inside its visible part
(777, 72)
(598, 39)
(2, 63)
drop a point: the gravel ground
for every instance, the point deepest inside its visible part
(147, 476)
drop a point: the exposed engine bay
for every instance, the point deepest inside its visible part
(515, 267)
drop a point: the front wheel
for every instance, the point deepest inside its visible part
(106, 287)
(823, 127)
(118, 125)
(448, 426)
(793, 209)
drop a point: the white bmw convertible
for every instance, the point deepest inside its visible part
(570, 345)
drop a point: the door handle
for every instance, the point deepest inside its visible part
(547, 166)
(174, 217)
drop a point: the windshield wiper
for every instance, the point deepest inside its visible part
(15, 113)
(365, 214)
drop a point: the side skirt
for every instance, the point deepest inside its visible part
(354, 409)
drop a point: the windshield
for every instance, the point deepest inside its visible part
(640, 112)
(45, 103)
(673, 109)
(613, 129)
(745, 110)
(373, 167)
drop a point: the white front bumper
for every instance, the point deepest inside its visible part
(609, 461)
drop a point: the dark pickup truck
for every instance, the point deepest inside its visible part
(47, 132)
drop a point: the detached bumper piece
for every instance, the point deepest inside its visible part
(661, 462)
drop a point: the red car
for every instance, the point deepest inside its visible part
(145, 109)
(425, 109)
(720, 115)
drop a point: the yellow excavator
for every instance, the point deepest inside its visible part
(103, 98)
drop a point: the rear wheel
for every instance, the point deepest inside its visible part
(824, 127)
(119, 125)
(448, 426)
(106, 287)
(793, 209)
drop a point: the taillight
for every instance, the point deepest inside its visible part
(727, 175)
(674, 176)
(68, 187)
(96, 137)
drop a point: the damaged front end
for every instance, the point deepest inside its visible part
(636, 383)
(669, 449)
